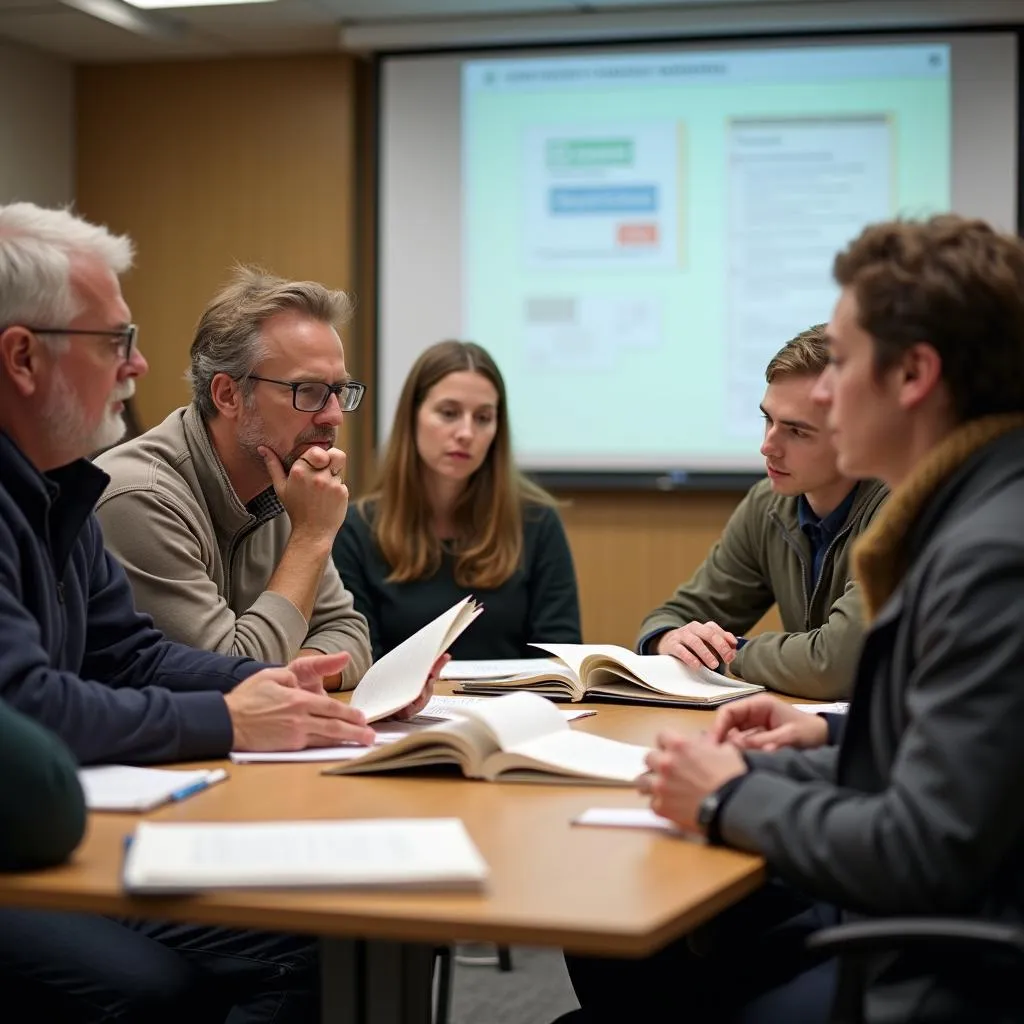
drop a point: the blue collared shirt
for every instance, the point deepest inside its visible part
(821, 532)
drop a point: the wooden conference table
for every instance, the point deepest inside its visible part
(621, 892)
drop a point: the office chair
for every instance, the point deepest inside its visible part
(858, 941)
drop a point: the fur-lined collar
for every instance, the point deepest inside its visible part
(880, 556)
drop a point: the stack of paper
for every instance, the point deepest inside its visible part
(118, 787)
(399, 852)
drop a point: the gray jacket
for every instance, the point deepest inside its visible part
(919, 810)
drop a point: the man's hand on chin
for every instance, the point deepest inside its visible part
(683, 770)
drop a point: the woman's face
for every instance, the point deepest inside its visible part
(456, 424)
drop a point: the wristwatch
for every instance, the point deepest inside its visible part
(707, 816)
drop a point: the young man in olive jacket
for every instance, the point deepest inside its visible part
(917, 810)
(788, 544)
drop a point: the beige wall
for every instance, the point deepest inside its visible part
(268, 160)
(37, 136)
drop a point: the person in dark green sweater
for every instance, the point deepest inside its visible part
(451, 515)
(42, 809)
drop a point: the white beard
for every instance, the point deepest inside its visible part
(65, 419)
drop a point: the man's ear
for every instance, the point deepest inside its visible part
(920, 374)
(226, 395)
(21, 358)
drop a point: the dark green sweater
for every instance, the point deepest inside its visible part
(537, 603)
(42, 809)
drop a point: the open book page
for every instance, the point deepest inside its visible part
(597, 664)
(460, 740)
(569, 756)
(173, 856)
(118, 787)
(397, 679)
(518, 731)
(516, 718)
(506, 668)
(453, 706)
(533, 734)
(468, 739)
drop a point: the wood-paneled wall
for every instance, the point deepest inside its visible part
(209, 163)
(268, 160)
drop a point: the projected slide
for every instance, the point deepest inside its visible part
(798, 189)
(641, 233)
(602, 196)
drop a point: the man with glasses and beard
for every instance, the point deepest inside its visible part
(243, 490)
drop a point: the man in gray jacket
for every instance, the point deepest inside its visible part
(243, 491)
(917, 810)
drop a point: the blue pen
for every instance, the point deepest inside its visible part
(217, 775)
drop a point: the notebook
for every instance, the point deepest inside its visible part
(406, 853)
(118, 787)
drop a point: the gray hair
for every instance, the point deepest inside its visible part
(37, 248)
(228, 337)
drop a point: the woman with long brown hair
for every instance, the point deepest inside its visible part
(451, 515)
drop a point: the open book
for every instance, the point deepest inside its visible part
(167, 857)
(397, 679)
(516, 738)
(587, 671)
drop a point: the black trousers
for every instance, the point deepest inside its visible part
(81, 968)
(748, 965)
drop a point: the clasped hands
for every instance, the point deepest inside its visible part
(682, 770)
(287, 708)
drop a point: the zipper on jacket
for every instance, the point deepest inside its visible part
(236, 543)
(809, 592)
(61, 598)
(824, 561)
(805, 575)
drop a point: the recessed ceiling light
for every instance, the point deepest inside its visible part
(151, 5)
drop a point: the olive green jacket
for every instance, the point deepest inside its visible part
(764, 558)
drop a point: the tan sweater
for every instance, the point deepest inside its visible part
(199, 561)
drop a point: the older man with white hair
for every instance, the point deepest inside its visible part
(76, 656)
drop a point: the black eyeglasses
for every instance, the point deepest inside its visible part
(313, 395)
(128, 336)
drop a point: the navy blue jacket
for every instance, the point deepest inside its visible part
(74, 654)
